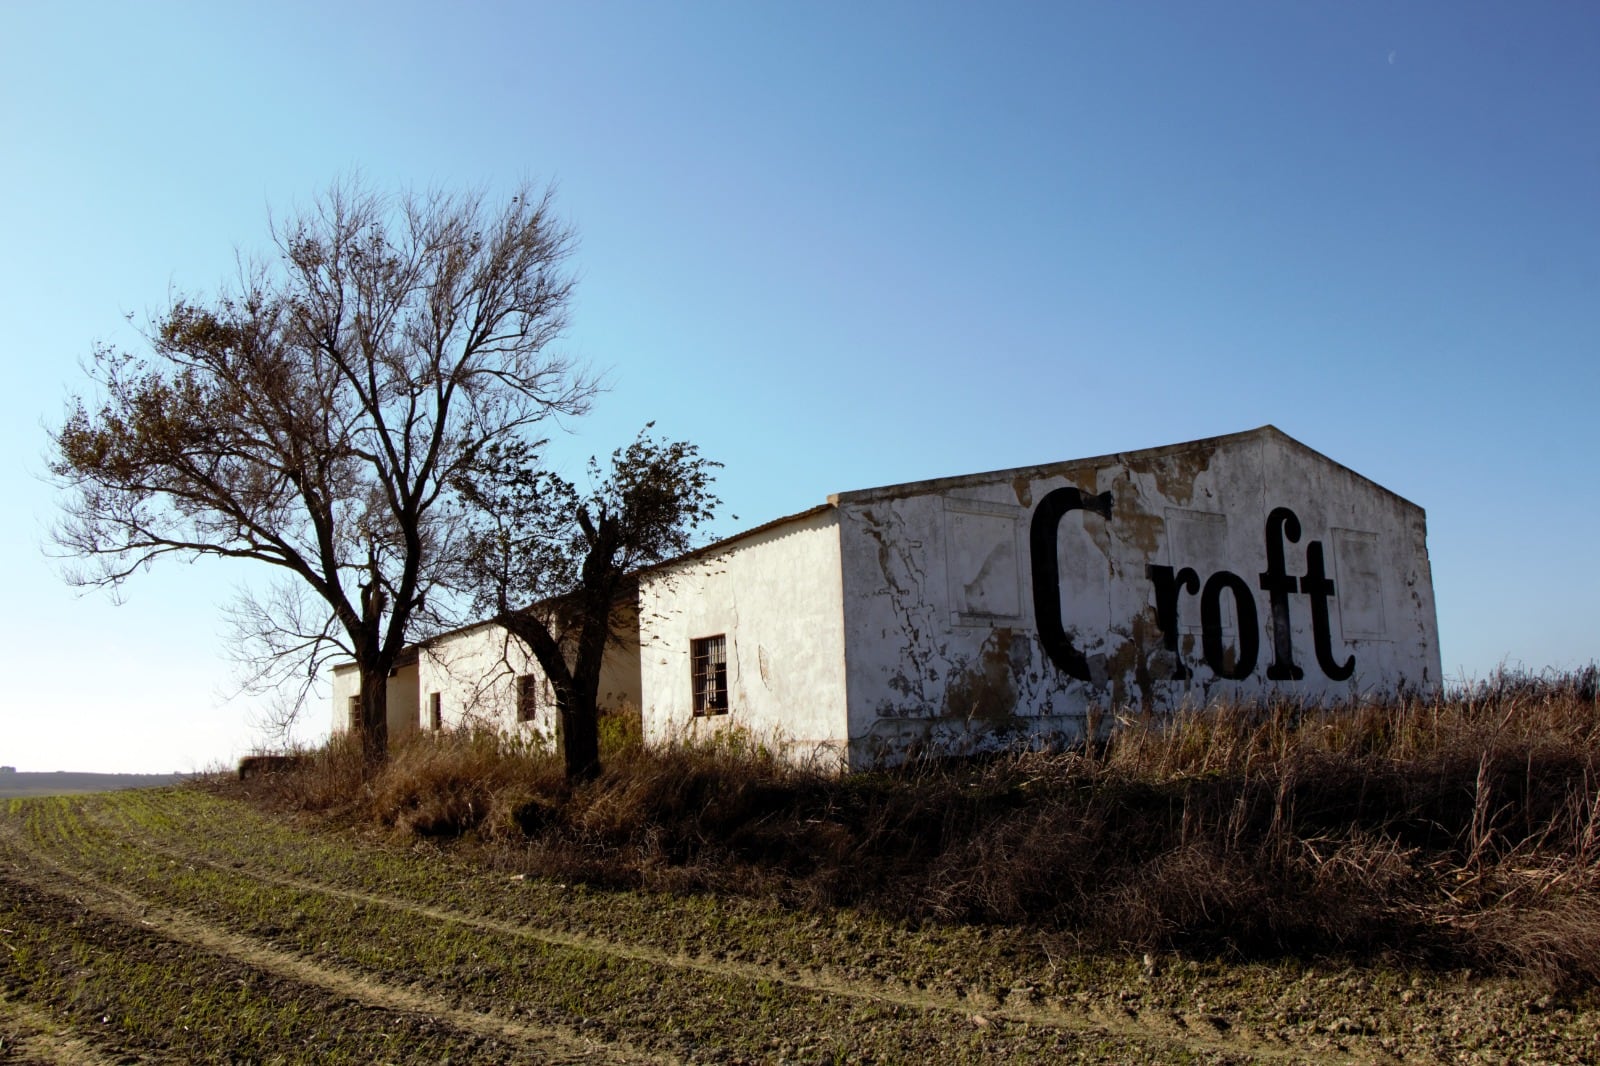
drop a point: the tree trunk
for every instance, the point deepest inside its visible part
(374, 717)
(579, 736)
(580, 709)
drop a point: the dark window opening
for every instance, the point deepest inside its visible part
(527, 697)
(435, 712)
(709, 663)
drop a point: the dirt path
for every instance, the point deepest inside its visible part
(77, 855)
(29, 1037)
(543, 1044)
(385, 956)
(1193, 1031)
(1185, 1032)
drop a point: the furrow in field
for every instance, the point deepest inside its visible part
(1194, 1032)
(31, 1037)
(532, 1042)
(1125, 1022)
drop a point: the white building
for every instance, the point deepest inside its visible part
(970, 612)
(479, 676)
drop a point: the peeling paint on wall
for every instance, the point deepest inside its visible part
(972, 612)
(1248, 566)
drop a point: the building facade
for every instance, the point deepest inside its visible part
(973, 612)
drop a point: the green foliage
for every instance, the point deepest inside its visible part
(621, 732)
(536, 541)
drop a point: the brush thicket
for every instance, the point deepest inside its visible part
(1464, 829)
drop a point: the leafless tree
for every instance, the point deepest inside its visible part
(315, 415)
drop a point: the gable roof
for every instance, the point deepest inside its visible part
(728, 542)
(934, 485)
(1043, 470)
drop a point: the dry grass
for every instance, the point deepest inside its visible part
(1463, 830)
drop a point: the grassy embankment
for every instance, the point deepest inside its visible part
(1309, 887)
(1456, 832)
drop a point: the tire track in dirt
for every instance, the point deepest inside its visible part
(1191, 1031)
(28, 1037)
(550, 1044)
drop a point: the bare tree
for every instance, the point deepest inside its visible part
(316, 415)
(556, 567)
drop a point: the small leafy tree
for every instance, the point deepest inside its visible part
(315, 418)
(554, 565)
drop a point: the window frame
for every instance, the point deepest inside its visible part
(708, 675)
(527, 697)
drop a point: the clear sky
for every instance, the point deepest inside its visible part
(850, 244)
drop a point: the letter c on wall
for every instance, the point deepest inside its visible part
(1042, 538)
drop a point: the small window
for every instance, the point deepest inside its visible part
(353, 708)
(435, 712)
(527, 697)
(709, 661)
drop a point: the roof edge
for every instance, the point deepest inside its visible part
(718, 546)
(1040, 470)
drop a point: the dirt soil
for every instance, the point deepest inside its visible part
(179, 926)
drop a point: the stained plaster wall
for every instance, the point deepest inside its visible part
(776, 595)
(400, 697)
(474, 670)
(942, 618)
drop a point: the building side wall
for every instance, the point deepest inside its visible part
(475, 673)
(776, 597)
(947, 628)
(401, 699)
(621, 686)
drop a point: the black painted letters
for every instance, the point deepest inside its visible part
(1234, 663)
(1316, 585)
(1047, 574)
(1275, 581)
(1244, 603)
(1168, 586)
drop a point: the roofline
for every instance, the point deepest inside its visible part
(407, 656)
(410, 653)
(718, 546)
(1043, 470)
(1336, 463)
(698, 553)
(1034, 472)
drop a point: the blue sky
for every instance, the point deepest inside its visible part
(843, 245)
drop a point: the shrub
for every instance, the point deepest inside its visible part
(1464, 829)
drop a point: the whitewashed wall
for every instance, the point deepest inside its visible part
(401, 698)
(950, 643)
(474, 671)
(968, 612)
(776, 595)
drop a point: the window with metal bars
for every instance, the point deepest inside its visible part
(527, 697)
(709, 664)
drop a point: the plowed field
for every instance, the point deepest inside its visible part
(178, 926)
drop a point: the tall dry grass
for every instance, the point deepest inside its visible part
(1464, 829)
